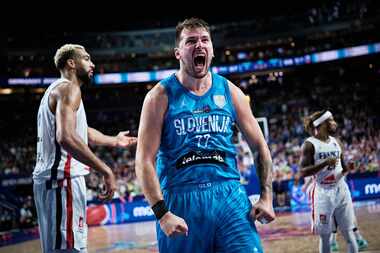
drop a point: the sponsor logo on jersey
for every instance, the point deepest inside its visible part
(192, 158)
(204, 109)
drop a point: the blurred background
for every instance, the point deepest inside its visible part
(289, 61)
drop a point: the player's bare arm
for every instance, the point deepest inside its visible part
(64, 101)
(149, 138)
(342, 159)
(122, 140)
(251, 130)
(307, 166)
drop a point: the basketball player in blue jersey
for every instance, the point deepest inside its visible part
(186, 160)
(63, 156)
(322, 157)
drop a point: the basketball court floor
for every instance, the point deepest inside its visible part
(290, 233)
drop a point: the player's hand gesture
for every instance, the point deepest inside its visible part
(123, 140)
(331, 161)
(173, 225)
(263, 211)
(110, 187)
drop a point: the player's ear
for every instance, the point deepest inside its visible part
(70, 63)
(177, 53)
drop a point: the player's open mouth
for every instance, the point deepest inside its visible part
(199, 61)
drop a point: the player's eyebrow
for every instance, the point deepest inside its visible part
(196, 37)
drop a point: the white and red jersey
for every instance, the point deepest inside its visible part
(52, 161)
(329, 176)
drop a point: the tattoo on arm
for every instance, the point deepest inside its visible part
(265, 175)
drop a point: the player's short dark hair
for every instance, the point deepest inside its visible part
(190, 23)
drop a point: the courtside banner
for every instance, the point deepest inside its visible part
(364, 188)
(119, 212)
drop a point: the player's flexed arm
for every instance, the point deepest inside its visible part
(307, 166)
(149, 136)
(65, 101)
(263, 209)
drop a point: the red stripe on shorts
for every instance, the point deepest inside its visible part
(69, 206)
(313, 207)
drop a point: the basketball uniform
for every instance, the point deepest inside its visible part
(59, 185)
(197, 169)
(330, 195)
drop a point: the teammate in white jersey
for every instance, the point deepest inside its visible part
(322, 157)
(63, 156)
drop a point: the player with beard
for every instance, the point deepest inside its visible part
(322, 157)
(186, 159)
(63, 156)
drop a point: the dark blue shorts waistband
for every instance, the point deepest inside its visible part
(200, 186)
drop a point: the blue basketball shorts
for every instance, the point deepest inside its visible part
(217, 215)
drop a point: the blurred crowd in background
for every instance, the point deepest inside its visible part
(348, 88)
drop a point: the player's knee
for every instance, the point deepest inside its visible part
(348, 236)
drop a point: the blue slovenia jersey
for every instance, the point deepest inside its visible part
(196, 142)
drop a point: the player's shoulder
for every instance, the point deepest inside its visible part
(338, 141)
(235, 90)
(231, 84)
(308, 145)
(308, 141)
(157, 91)
(312, 140)
(67, 92)
(157, 95)
(66, 87)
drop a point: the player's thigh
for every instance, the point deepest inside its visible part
(344, 215)
(236, 231)
(79, 224)
(323, 211)
(46, 207)
(196, 209)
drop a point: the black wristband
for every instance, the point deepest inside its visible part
(159, 209)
